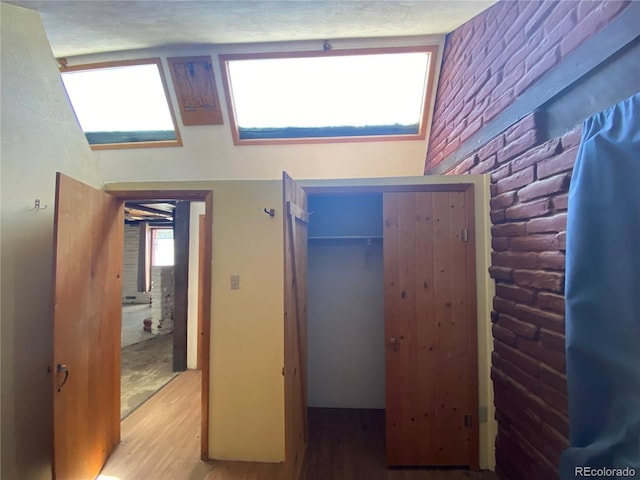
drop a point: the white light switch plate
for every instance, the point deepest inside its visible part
(235, 282)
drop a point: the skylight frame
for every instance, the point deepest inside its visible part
(431, 50)
(126, 63)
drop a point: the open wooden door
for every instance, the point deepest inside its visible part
(295, 325)
(430, 314)
(88, 242)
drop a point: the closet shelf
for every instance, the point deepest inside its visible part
(346, 237)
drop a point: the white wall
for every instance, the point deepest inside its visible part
(346, 347)
(130, 267)
(39, 136)
(209, 153)
(196, 209)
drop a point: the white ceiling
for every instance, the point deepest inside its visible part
(77, 27)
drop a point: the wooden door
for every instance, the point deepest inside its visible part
(295, 325)
(88, 242)
(430, 312)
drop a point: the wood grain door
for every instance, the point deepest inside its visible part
(430, 311)
(88, 242)
(295, 325)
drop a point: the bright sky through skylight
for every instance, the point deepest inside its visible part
(362, 90)
(123, 99)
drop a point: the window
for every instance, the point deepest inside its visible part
(122, 104)
(162, 247)
(337, 95)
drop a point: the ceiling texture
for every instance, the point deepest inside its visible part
(77, 27)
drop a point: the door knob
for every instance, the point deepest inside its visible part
(393, 340)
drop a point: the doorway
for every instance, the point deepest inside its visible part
(198, 238)
(388, 256)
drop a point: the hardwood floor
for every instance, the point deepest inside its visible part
(160, 441)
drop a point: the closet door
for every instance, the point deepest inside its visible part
(430, 312)
(295, 325)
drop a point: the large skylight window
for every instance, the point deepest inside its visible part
(336, 95)
(122, 104)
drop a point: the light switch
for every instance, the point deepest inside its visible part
(235, 282)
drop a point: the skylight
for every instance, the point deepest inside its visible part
(122, 104)
(335, 95)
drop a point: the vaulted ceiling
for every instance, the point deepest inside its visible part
(77, 27)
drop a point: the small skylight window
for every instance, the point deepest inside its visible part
(122, 104)
(336, 95)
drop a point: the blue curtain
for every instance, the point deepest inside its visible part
(602, 293)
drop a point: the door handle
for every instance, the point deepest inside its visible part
(393, 341)
(63, 368)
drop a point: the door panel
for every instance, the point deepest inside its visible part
(88, 233)
(295, 325)
(428, 327)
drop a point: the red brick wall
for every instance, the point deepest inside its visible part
(529, 184)
(493, 58)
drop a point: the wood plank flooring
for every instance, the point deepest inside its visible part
(160, 441)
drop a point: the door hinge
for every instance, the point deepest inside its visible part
(467, 421)
(464, 235)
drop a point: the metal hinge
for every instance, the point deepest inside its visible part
(464, 235)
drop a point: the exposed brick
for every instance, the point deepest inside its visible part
(554, 444)
(510, 78)
(560, 202)
(502, 201)
(500, 243)
(529, 210)
(561, 240)
(560, 163)
(517, 146)
(550, 321)
(497, 216)
(471, 128)
(501, 305)
(536, 243)
(555, 223)
(509, 229)
(464, 165)
(484, 166)
(572, 138)
(538, 352)
(500, 273)
(515, 181)
(504, 335)
(501, 172)
(552, 260)
(536, 154)
(528, 381)
(552, 340)
(543, 188)
(554, 379)
(497, 105)
(526, 363)
(554, 398)
(550, 301)
(557, 420)
(515, 260)
(522, 329)
(521, 128)
(590, 24)
(539, 279)
(492, 147)
(513, 292)
(546, 63)
(451, 147)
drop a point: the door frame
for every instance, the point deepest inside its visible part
(205, 196)
(469, 190)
